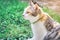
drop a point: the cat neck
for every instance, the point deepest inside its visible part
(41, 18)
(39, 30)
(48, 21)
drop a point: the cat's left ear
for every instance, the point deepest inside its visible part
(34, 5)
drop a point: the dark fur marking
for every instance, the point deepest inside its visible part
(34, 14)
(53, 34)
(49, 23)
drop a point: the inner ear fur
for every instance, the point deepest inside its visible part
(36, 6)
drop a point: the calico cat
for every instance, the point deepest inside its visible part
(54, 34)
(40, 21)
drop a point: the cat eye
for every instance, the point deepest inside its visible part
(28, 12)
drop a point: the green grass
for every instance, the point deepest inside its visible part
(12, 23)
(53, 14)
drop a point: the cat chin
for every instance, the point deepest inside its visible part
(25, 18)
(31, 39)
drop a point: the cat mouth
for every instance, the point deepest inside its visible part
(24, 17)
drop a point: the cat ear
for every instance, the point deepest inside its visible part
(36, 6)
(32, 4)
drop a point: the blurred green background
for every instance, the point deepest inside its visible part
(12, 24)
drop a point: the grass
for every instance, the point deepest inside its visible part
(12, 23)
(53, 14)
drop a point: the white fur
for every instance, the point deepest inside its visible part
(39, 31)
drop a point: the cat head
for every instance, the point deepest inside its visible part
(32, 12)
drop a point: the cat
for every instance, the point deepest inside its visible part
(54, 34)
(41, 22)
